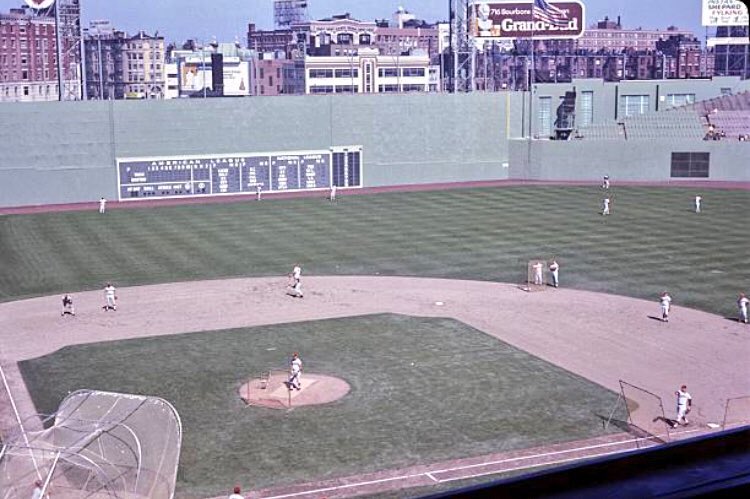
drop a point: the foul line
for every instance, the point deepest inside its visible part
(431, 474)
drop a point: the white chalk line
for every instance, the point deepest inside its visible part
(430, 474)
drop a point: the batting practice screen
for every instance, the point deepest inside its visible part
(243, 173)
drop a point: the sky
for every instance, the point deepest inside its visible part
(226, 20)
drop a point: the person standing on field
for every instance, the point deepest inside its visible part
(554, 269)
(684, 404)
(698, 200)
(258, 192)
(742, 303)
(102, 205)
(67, 305)
(666, 304)
(605, 182)
(605, 206)
(295, 372)
(236, 493)
(333, 193)
(110, 295)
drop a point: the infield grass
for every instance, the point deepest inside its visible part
(651, 242)
(467, 394)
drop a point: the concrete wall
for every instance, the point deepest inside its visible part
(64, 152)
(648, 160)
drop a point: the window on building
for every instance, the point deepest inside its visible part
(24, 75)
(411, 87)
(270, 81)
(631, 105)
(690, 164)
(388, 72)
(344, 39)
(25, 90)
(321, 89)
(680, 99)
(346, 89)
(347, 73)
(387, 88)
(412, 72)
(261, 72)
(587, 108)
(321, 73)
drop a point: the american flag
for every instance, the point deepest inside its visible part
(549, 13)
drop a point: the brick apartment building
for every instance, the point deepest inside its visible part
(28, 57)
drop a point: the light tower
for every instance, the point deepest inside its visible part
(287, 12)
(462, 48)
(67, 14)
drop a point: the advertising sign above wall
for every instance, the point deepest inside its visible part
(537, 19)
(724, 13)
(39, 4)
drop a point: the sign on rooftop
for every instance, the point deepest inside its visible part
(724, 13)
(39, 4)
(539, 19)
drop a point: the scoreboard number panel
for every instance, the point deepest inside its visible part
(242, 173)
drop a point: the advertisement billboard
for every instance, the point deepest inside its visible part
(39, 4)
(195, 74)
(236, 77)
(724, 13)
(539, 19)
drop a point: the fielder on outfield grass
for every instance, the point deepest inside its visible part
(554, 269)
(110, 296)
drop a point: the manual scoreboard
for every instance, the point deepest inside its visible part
(223, 174)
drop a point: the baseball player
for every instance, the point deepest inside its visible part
(698, 200)
(537, 267)
(684, 404)
(605, 182)
(258, 192)
(554, 269)
(742, 303)
(295, 372)
(102, 205)
(666, 304)
(297, 273)
(333, 193)
(237, 493)
(605, 206)
(67, 305)
(110, 295)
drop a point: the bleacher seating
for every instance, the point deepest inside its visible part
(678, 125)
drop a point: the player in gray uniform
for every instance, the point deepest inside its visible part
(295, 373)
(67, 305)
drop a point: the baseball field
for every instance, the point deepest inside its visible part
(489, 373)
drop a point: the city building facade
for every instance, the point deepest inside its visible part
(119, 66)
(28, 57)
(368, 71)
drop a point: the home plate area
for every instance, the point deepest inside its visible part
(273, 392)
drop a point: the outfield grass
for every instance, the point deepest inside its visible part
(467, 394)
(651, 242)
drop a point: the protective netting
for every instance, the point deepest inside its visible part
(100, 444)
(645, 411)
(736, 412)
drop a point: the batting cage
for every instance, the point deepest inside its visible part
(645, 412)
(736, 412)
(97, 444)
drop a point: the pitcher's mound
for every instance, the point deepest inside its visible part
(316, 389)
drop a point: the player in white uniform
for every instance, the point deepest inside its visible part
(684, 404)
(698, 200)
(605, 182)
(297, 273)
(237, 493)
(666, 304)
(742, 303)
(295, 372)
(333, 193)
(102, 205)
(554, 269)
(110, 295)
(538, 278)
(67, 305)
(258, 192)
(605, 206)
